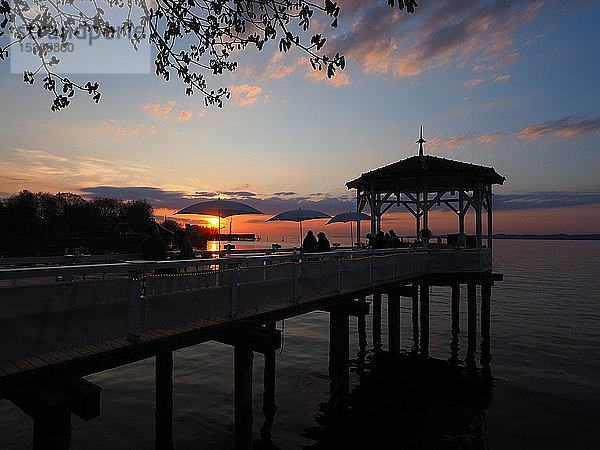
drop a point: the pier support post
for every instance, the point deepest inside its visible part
(394, 324)
(377, 321)
(339, 354)
(242, 427)
(486, 297)
(50, 409)
(454, 347)
(472, 322)
(424, 288)
(269, 405)
(362, 327)
(163, 414)
(415, 317)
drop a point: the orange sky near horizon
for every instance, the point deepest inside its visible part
(575, 219)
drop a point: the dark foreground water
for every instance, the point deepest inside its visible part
(545, 364)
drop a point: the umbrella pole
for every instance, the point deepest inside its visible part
(219, 232)
(230, 220)
(351, 237)
(300, 239)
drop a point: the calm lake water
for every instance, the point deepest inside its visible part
(545, 347)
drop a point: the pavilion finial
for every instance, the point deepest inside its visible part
(421, 141)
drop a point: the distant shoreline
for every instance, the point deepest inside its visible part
(550, 237)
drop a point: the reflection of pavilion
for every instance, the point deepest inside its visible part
(422, 182)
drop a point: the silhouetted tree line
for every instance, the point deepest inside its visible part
(43, 223)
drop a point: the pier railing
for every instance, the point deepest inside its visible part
(43, 309)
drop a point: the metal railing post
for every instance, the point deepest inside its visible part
(235, 291)
(371, 270)
(136, 296)
(339, 276)
(296, 280)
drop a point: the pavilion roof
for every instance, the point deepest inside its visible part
(434, 173)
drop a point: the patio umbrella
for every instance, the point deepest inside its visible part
(350, 216)
(299, 215)
(221, 209)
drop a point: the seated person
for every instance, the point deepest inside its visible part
(309, 245)
(323, 243)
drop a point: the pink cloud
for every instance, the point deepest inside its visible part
(111, 126)
(245, 95)
(566, 127)
(158, 110)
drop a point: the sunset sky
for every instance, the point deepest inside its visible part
(512, 84)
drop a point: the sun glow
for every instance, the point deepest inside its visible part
(214, 222)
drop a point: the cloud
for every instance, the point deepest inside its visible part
(238, 194)
(451, 32)
(548, 199)
(185, 115)
(158, 110)
(320, 76)
(332, 204)
(566, 127)
(284, 193)
(500, 78)
(63, 171)
(245, 95)
(111, 126)
(463, 140)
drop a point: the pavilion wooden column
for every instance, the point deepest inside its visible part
(418, 215)
(478, 220)
(490, 220)
(461, 212)
(373, 206)
(163, 414)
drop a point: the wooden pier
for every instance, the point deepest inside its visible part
(59, 324)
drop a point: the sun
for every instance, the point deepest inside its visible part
(214, 222)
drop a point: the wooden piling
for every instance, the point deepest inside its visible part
(415, 318)
(269, 405)
(486, 296)
(339, 355)
(472, 322)
(454, 347)
(394, 324)
(424, 288)
(377, 321)
(163, 414)
(242, 427)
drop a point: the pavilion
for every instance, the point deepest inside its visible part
(422, 182)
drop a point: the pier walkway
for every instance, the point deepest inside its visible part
(66, 315)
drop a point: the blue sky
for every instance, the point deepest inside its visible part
(508, 84)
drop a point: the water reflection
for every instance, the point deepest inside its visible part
(408, 402)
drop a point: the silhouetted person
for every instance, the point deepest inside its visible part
(370, 240)
(387, 241)
(426, 234)
(395, 239)
(183, 244)
(379, 240)
(309, 245)
(323, 243)
(153, 248)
